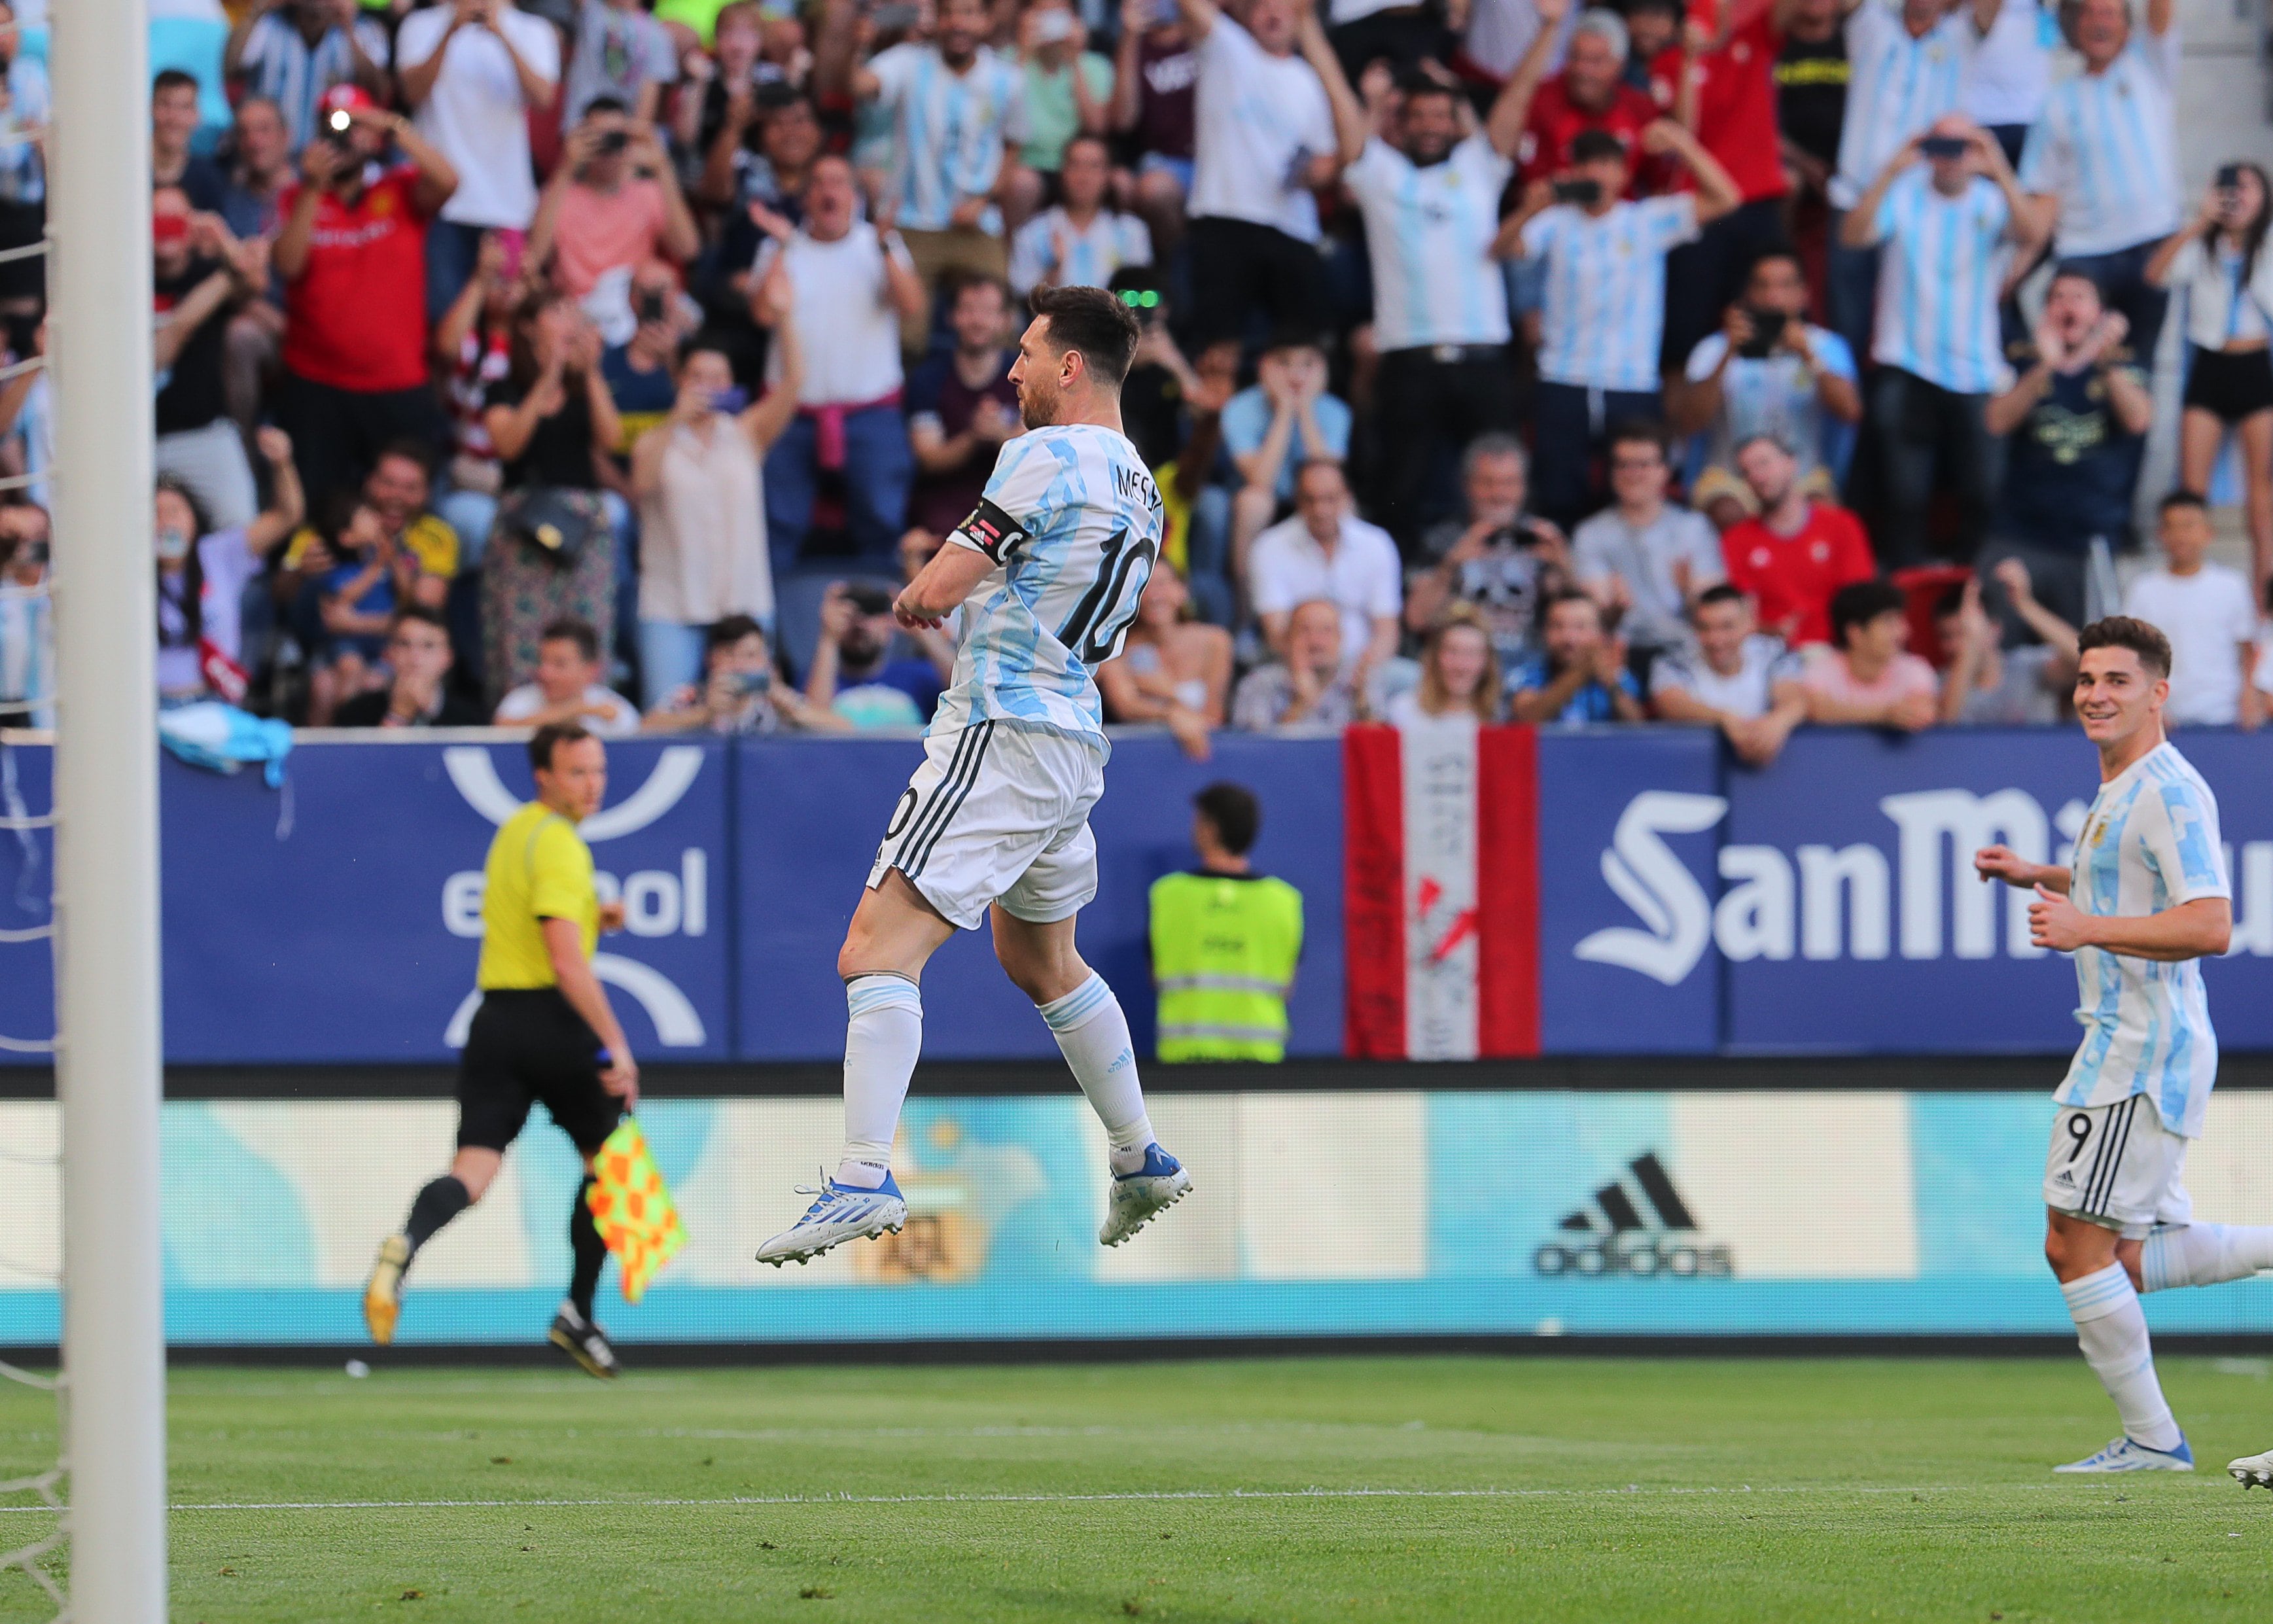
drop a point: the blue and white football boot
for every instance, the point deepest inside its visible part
(839, 1213)
(2123, 1456)
(1137, 1197)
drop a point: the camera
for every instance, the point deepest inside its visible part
(611, 142)
(1584, 194)
(2229, 177)
(653, 306)
(1943, 145)
(750, 684)
(1767, 328)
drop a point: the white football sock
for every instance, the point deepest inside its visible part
(2113, 1333)
(1093, 1035)
(2203, 1254)
(882, 1041)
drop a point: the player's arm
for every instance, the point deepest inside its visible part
(564, 943)
(970, 556)
(2002, 862)
(2202, 929)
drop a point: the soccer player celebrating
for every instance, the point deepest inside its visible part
(544, 1031)
(2146, 897)
(1046, 571)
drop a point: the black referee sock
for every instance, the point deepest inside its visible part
(590, 1249)
(437, 1204)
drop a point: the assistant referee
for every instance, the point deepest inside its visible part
(544, 1031)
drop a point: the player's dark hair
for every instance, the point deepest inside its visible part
(548, 738)
(1859, 603)
(1232, 812)
(578, 632)
(1595, 146)
(1720, 592)
(1093, 322)
(2182, 499)
(2120, 631)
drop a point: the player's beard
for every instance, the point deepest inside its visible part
(1039, 401)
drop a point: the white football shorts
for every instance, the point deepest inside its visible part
(998, 813)
(2119, 1167)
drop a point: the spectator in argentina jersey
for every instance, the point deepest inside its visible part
(1046, 575)
(1431, 209)
(954, 106)
(2101, 165)
(1605, 310)
(2011, 72)
(291, 51)
(1946, 229)
(2146, 899)
(1906, 66)
(1078, 242)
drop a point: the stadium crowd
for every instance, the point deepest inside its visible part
(1764, 363)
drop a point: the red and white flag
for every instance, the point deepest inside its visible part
(1441, 890)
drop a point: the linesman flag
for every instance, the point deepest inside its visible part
(632, 1208)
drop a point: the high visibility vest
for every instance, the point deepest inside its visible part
(1224, 951)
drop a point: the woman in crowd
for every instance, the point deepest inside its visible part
(202, 574)
(1460, 674)
(550, 420)
(1173, 669)
(698, 479)
(472, 351)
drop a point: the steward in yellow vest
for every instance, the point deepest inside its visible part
(1226, 940)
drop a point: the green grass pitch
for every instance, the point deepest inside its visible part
(1282, 1490)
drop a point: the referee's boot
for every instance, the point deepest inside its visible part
(583, 1340)
(382, 1293)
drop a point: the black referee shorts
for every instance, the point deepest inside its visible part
(527, 1045)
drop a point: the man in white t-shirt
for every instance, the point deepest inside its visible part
(1326, 550)
(1738, 680)
(2205, 609)
(473, 69)
(1265, 141)
(850, 288)
(567, 688)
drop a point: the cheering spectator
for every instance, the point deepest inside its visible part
(2073, 422)
(1078, 242)
(1325, 550)
(1460, 674)
(417, 692)
(355, 578)
(1432, 206)
(1736, 679)
(856, 677)
(1605, 301)
(956, 108)
(765, 170)
(2101, 165)
(1767, 370)
(395, 495)
(612, 205)
(1309, 685)
(1069, 90)
(623, 55)
(642, 373)
(475, 70)
(1989, 685)
(698, 478)
(552, 555)
(1264, 140)
(198, 275)
(1173, 670)
(1580, 675)
(259, 170)
(962, 406)
(350, 251)
(1500, 562)
(2219, 259)
(2010, 73)
(1945, 231)
(1907, 61)
(202, 574)
(174, 117)
(1796, 552)
(289, 52)
(1644, 558)
(1284, 419)
(23, 168)
(1588, 97)
(1154, 74)
(2207, 612)
(566, 688)
(849, 291)
(472, 349)
(724, 99)
(27, 632)
(1868, 679)
(739, 692)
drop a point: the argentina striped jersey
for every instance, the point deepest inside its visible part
(1430, 231)
(1938, 276)
(2151, 842)
(1071, 520)
(1898, 85)
(2106, 147)
(1605, 300)
(949, 129)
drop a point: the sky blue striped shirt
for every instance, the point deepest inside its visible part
(1938, 276)
(293, 74)
(1897, 86)
(1429, 232)
(2107, 147)
(949, 129)
(1605, 298)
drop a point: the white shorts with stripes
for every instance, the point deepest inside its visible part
(998, 813)
(2119, 1167)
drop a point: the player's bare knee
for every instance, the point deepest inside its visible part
(476, 1169)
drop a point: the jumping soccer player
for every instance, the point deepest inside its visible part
(2146, 899)
(544, 1031)
(1047, 571)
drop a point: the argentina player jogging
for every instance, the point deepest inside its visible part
(1046, 571)
(2145, 899)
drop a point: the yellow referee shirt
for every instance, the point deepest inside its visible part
(539, 868)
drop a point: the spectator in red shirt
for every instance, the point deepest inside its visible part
(1590, 93)
(352, 253)
(1798, 552)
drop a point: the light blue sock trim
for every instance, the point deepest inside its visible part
(1064, 1014)
(866, 993)
(2096, 1296)
(2154, 1262)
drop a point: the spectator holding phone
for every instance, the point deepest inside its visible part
(612, 205)
(1501, 561)
(199, 275)
(418, 693)
(202, 574)
(1155, 75)
(860, 675)
(567, 687)
(1868, 679)
(740, 692)
(622, 55)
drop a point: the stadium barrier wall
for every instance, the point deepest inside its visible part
(1687, 905)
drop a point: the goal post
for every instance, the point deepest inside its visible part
(107, 1066)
